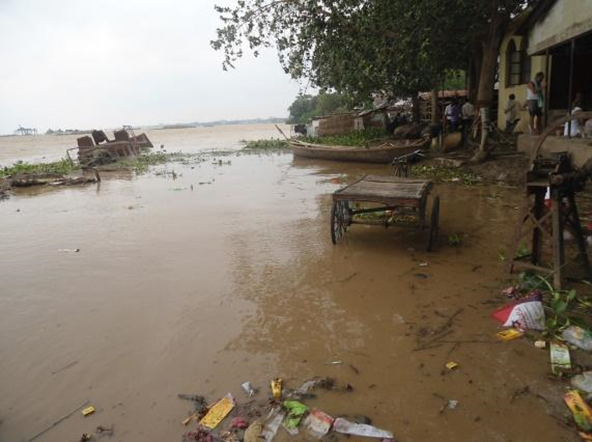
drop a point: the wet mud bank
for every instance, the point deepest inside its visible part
(224, 272)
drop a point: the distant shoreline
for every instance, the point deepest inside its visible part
(192, 125)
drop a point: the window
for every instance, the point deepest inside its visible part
(513, 65)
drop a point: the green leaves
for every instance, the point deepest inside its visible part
(360, 47)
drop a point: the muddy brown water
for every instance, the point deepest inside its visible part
(196, 291)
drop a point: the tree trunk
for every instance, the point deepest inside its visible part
(474, 71)
(415, 104)
(489, 56)
(435, 110)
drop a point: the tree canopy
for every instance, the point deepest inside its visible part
(359, 47)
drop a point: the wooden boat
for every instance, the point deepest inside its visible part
(384, 153)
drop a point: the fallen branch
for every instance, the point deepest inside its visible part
(59, 421)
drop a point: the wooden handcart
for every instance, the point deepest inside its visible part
(385, 201)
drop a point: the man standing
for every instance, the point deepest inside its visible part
(535, 101)
(452, 115)
(468, 114)
(511, 111)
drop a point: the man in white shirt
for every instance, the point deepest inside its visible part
(573, 129)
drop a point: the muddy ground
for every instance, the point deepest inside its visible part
(195, 290)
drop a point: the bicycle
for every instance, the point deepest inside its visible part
(401, 164)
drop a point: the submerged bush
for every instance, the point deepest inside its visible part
(354, 138)
(63, 167)
(271, 144)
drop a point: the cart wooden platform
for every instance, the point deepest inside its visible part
(385, 201)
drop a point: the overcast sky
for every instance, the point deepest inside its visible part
(104, 63)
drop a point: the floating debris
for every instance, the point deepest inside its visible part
(88, 411)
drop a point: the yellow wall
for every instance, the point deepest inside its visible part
(537, 65)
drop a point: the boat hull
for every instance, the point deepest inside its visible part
(382, 155)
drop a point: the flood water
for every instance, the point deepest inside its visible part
(177, 290)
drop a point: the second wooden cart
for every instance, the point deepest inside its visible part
(385, 201)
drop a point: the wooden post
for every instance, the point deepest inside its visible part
(577, 227)
(546, 110)
(572, 49)
(539, 203)
(558, 250)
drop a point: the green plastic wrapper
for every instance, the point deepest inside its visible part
(296, 411)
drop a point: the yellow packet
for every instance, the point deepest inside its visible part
(218, 412)
(451, 365)
(509, 334)
(581, 410)
(88, 410)
(276, 388)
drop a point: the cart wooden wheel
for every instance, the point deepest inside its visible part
(434, 222)
(340, 219)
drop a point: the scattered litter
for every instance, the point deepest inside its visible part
(452, 404)
(105, 430)
(345, 427)
(509, 334)
(423, 264)
(524, 314)
(560, 359)
(512, 292)
(334, 363)
(249, 390)
(540, 344)
(88, 411)
(69, 250)
(451, 365)
(199, 406)
(276, 388)
(218, 412)
(253, 433)
(317, 382)
(583, 381)
(317, 423)
(85, 437)
(578, 336)
(580, 410)
(239, 423)
(296, 411)
(200, 434)
(272, 425)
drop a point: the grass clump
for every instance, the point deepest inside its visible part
(142, 162)
(270, 144)
(360, 138)
(446, 174)
(62, 167)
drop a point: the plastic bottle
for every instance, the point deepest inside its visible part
(579, 337)
(583, 381)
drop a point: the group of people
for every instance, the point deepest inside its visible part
(456, 116)
(535, 103)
